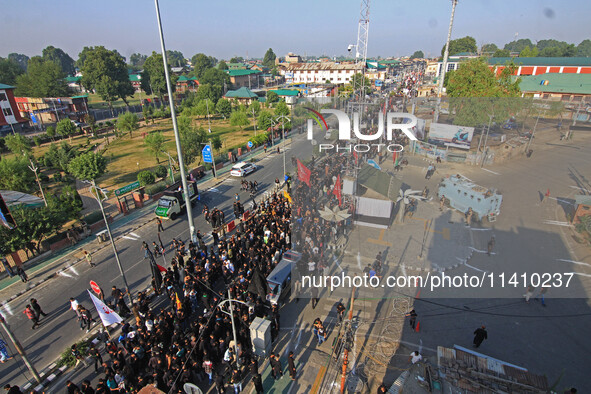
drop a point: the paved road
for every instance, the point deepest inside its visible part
(60, 329)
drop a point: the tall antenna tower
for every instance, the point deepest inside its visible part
(362, 33)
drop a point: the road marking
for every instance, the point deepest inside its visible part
(480, 251)
(380, 240)
(128, 237)
(318, 380)
(213, 190)
(557, 223)
(496, 173)
(62, 273)
(574, 262)
(474, 268)
(135, 235)
(73, 270)
(580, 188)
(7, 308)
(480, 229)
(562, 200)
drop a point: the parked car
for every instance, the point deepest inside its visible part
(243, 169)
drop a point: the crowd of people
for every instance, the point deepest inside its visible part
(192, 341)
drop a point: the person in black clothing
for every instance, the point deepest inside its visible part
(413, 318)
(37, 308)
(258, 383)
(12, 389)
(254, 367)
(86, 388)
(480, 335)
(236, 379)
(220, 384)
(160, 227)
(96, 356)
(277, 370)
(291, 366)
(72, 388)
(341, 311)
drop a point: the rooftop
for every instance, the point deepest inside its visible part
(3, 86)
(322, 66)
(243, 92)
(286, 92)
(557, 83)
(542, 61)
(239, 73)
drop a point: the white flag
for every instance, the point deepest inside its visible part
(108, 316)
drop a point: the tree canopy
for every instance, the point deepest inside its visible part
(475, 92)
(88, 166)
(239, 118)
(106, 72)
(155, 142)
(44, 78)
(20, 59)
(137, 60)
(16, 175)
(65, 128)
(489, 48)
(459, 45)
(584, 48)
(224, 108)
(222, 66)
(175, 58)
(201, 63)
(154, 78)
(417, 55)
(128, 121)
(18, 144)
(60, 57)
(518, 45)
(502, 53)
(9, 70)
(191, 139)
(529, 52)
(269, 58)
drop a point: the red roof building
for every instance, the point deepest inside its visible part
(10, 117)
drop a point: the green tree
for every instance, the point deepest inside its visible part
(128, 121)
(82, 57)
(269, 58)
(502, 53)
(155, 143)
(265, 120)
(281, 109)
(201, 63)
(214, 77)
(9, 71)
(137, 60)
(529, 52)
(551, 52)
(60, 57)
(91, 121)
(417, 55)
(237, 59)
(272, 97)
(358, 81)
(16, 175)
(222, 66)
(216, 142)
(17, 144)
(239, 118)
(59, 158)
(459, 45)
(191, 139)
(518, 45)
(204, 107)
(155, 77)
(50, 131)
(489, 48)
(207, 91)
(65, 128)
(146, 178)
(44, 78)
(20, 59)
(254, 107)
(175, 58)
(105, 71)
(584, 48)
(88, 166)
(474, 92)
(224, 108)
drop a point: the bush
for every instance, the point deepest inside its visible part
(68, 359)
(43, 178)
(57, 177)
(37, 140)
(156, 188)
(93, 217)
(161, 171)
(146, 178)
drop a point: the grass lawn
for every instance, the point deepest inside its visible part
(96, 102)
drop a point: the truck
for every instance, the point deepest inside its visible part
(172, 203)
(463, 194)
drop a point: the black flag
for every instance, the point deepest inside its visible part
(258, 283)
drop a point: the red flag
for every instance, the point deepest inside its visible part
(395, 158)
(355, 156)
(337, 189)
(161, 268)
(303, 173)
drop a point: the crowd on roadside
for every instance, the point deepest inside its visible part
(191, 340)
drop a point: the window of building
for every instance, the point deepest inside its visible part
(3, 97)
(7, 111)
(577, 98)
(451, 66)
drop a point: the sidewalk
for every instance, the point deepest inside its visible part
(49, 265)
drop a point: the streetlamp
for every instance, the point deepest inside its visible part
(444, 65)
(485, 141)
(177, 137)
(283, 118)
(94, 190)
(19, 349)
(230, 300)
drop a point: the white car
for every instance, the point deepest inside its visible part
(243, 169)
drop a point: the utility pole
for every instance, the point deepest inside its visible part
(19, 349)
(444, 65)
(177, 137)
(485, 141)
(34, 168)
(531, 137)
(95, 189)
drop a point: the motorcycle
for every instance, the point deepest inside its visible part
(460, 136)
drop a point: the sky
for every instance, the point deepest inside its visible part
(227, 28)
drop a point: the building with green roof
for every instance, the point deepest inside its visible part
(557, 86)
(248, 78)
(242, 96)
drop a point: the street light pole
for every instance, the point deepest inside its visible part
(485, 141)
(283, 118)
(177, 137)
(531, 137)
(94, 189)
(234, 329)
(444, 65)
(20, 349)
